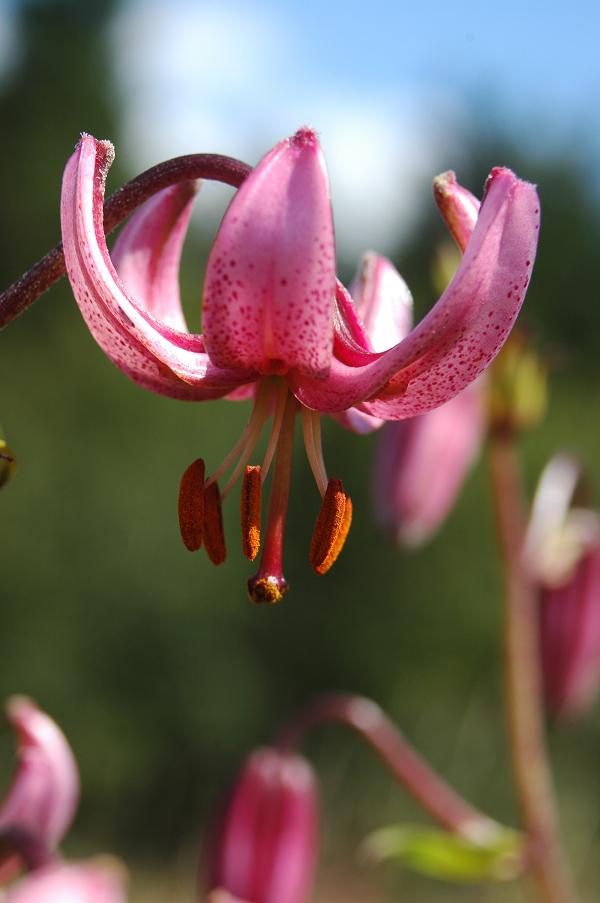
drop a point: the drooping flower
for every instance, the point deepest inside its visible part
(562, 551)
(266, 845)
(42, 798)
(82, 882)
(279, 327)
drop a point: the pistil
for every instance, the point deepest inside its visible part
(269, 585)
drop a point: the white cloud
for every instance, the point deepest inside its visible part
(226, 78)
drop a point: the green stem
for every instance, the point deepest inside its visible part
(523, 685)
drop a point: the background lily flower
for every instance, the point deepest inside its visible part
(85, 882)
(562, 551)
(275, 317)
(44, 792)
(266, 847)
(421, 464)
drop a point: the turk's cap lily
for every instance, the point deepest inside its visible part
(421, 464)
(280, 328)
(44, 792)
(96, 881)
(267, 840)
(562, 552)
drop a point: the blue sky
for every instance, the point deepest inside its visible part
(392, 88)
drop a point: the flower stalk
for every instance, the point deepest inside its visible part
(51, 267)
(523, 683)
(372, 724)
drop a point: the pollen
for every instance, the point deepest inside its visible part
(213, 535)
(331, 528)
(191, 505)
(267, 590)
(250, 511)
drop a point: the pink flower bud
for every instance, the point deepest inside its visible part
(570, 637)
(562, 553)
(266, 846)
(91, 882)
(42, 798)
(421, 465)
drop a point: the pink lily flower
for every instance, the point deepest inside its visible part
(89, 882)
(562, 551)
(280, 328)
(266, 847)
(44, 792)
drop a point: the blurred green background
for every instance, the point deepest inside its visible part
(160, 672)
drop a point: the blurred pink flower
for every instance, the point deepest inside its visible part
(421, 464)
(278, 326)
(562, 551)
(267, 841)
(44, 792)
(89, 882)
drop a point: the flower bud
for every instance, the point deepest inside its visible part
(562, 553)
(89, 882)
(421, 464)
(44, 792)
(570, 637)
(266, 846)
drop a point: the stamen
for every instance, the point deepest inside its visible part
(250, 435)
(269, 585)
(331, 528)
(250, 511)
(214, 538)
(311, 427)
(191, 505)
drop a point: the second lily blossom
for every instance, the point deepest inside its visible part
(281, 329)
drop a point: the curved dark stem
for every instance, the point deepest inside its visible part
(371, 723)
(215, 167)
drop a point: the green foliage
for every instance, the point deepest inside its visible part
(441, 855)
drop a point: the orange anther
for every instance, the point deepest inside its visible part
(331, 527)
(191, 505)
(250, 511)
(214, 538)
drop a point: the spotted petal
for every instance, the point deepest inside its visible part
(383, 301)
(149, 353)
(465, 329)
(270, 281)
(45, 788)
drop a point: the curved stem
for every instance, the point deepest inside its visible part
(523, 686)
(28, 287)
(407, 766)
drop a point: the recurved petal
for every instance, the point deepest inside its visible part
(464, 330)
(85, 882)
(270, 281)
(44, 792)
(152, 355)
(383, 301)
(457, 205)
(147, 254)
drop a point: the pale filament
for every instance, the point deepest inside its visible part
(311, 427)
(275, 431)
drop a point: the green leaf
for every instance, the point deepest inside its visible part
(446, 856)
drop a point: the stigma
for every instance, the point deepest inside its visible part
(200, 499)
